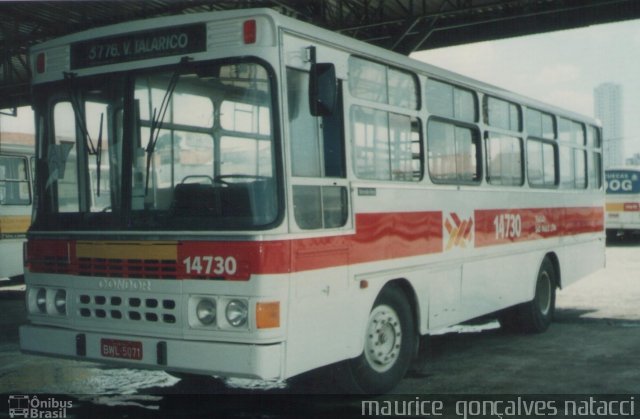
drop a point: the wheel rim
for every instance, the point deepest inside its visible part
(543, 293)
(383, 339)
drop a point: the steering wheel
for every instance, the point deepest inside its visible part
(207, 177)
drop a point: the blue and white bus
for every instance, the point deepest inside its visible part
(622, 201)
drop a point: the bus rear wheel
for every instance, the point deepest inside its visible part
(389, 345)
(536, 315)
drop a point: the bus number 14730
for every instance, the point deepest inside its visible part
(508, 226)
(216, 265)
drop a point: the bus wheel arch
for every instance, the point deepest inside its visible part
(390, 342)
(412, 299)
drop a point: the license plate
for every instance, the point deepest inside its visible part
(123, 349)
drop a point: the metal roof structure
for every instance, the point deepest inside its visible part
(400, 25)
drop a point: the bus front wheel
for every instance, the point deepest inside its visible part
(389, 345)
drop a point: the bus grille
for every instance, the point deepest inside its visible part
(135, 309)
(118, 268)
(127, 268)
(51, 264)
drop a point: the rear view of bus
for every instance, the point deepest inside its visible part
(622, 201)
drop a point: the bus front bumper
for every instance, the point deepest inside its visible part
(199, 357)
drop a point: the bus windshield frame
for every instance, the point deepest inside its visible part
(191, 147)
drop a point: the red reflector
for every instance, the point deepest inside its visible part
(25, 255)
(249, 31)
(40, 63)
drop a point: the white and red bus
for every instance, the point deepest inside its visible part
(622, 201)
(275, 198)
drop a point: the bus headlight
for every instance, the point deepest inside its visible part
(237, 313)
(60, 301)
(41, 300)
(206, 311)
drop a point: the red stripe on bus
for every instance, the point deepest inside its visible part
(378, 237)
(498, 226)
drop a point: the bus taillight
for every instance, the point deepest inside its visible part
(249, 31)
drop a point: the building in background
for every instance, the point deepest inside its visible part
(633, 160)
(608, 108)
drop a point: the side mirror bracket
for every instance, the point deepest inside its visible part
(323, 86)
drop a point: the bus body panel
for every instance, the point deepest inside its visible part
(217, 358)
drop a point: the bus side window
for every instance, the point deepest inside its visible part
(594, 168)
(504, 160)
(454, 153)
(387, 145)
(573, 157)
(541, 163)
(14, 182)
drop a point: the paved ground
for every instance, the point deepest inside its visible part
(592, 348)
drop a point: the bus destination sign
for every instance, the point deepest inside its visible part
(160, 42)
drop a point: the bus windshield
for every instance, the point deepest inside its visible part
(188, 147)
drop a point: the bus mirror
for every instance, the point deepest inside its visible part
(322, 89)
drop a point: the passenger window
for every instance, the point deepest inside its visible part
(540, 124)
(573, 164)
(504, 160)
(593, 137)
(387, 145)
(502, 114)
(451, 101)
(571, 132)
(382, 84)
(453, 153)
(541, 163)
(595, 170)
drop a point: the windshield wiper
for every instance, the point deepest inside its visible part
(99, 155)
(92, 150)
(157, 119)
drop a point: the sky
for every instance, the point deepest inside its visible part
(561, 68)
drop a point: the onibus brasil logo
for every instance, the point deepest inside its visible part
(23, 406)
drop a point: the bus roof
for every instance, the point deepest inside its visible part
(320, 35)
